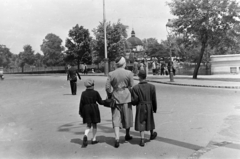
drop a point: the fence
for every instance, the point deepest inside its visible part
(55, 69)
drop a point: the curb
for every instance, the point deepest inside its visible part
(194, 85)
(178, 84)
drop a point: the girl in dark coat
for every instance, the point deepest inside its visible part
(89, 111)
(144, 97)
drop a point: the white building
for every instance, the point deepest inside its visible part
(225, 64)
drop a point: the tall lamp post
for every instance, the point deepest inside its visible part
(105, 41)
(170, 24)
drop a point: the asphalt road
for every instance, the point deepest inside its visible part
(39, 119)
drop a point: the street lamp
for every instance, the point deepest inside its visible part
(170, 24)
(105, 40)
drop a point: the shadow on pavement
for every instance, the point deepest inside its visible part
(179, 143)
(111, 140)
(78, 141)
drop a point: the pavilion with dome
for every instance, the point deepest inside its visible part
(135, 47)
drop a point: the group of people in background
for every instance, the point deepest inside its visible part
(162, 68)
(123, 94)
(158, 68)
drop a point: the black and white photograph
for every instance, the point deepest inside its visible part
(120, 79)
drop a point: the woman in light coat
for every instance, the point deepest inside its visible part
(119, 83)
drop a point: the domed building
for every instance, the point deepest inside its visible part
(136, 48)
(136, 43)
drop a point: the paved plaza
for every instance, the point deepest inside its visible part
(39, 119)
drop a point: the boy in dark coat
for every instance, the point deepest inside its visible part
(89, 111)
(144, 97)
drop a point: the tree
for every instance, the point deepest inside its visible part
(52, 50)
(209, 23)
(14, 61)
(116, 34)
(26, 57)
(5, 56)
(78, 45)
(154, 49)
(38, 60)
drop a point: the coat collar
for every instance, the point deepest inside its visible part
(120, 68)
(143, 82)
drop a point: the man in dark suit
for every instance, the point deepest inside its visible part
(72, 77)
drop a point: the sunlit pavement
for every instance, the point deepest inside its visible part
(39, 119)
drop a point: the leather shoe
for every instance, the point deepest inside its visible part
(128, 137)
(142, 143)
(95, 142)
(85, 142)
(116, 143)
(153, 136)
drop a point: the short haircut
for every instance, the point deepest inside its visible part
(142, 74)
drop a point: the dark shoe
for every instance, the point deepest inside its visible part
(95, 142)
(116, 143)
(153, 136)
(85, 141)
(142, 143)
(128, 137)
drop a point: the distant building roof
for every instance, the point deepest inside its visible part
(135, 41)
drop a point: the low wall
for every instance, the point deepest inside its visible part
(188, 69)
(181, 69)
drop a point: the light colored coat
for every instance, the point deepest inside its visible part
(118, 83)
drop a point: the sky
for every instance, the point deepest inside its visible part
(27, 22)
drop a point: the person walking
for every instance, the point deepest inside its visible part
(143, 65)
(154, 67)
(135, 67)
(119, 83)
(72, 74)
(85, 69)
(158, 68)
(162, 68)
(144, 97)
(89, 111)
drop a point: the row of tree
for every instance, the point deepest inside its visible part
(200, 28)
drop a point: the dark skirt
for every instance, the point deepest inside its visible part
(91, 114)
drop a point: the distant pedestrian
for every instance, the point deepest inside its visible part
(166, 70)
(89, 111)
(72, 74)
(154, 67)
(144, 97)
(85, 69)
(162, 68)
(143, 65)
(158, 68)
(135, 67)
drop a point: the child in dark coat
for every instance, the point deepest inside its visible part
(144, 97)
(89, 111)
